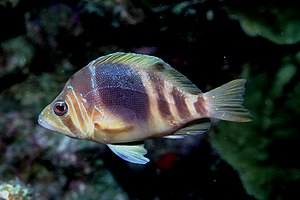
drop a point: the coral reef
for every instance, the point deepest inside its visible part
(211, 42)
(14, 190)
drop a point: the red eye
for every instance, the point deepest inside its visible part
(60, 108)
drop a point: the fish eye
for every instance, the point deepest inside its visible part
(60, 108)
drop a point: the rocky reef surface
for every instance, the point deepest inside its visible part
(42, 43)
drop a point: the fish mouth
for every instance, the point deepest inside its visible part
(44, 124)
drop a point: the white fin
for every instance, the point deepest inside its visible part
(225, 102)
(194, 128)
(176, 137)
(131, 153)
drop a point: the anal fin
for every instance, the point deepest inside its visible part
(193, 128)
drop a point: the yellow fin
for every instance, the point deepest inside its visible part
(113, 127)
(225, 102)
(109, 123)
(146, 62)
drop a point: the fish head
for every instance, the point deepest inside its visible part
(50, 117)
(68, 115)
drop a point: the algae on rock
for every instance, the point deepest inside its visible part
(278, 22)
(265, 152)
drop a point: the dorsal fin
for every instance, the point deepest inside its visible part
(146, 62)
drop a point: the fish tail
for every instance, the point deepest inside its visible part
(225, 102)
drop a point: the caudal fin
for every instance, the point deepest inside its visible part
(225, 102)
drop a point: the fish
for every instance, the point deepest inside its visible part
(123, 99)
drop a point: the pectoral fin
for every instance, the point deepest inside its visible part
(113, 127)
(106, 121)
(131, 153)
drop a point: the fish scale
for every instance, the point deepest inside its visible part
(121, 86)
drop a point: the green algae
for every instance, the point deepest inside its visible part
(259, 150)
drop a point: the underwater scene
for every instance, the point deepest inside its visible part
(149, 100)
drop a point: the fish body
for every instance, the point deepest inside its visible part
(125, 97)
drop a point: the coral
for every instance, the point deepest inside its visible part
(16, 54)
(12, 3)
(15, 190)
(123, 11)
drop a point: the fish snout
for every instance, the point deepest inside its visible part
(42, 121)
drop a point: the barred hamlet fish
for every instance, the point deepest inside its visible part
(123, 98)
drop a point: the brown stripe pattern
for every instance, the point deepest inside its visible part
(180, 103)
(78, 120)
(68, 122)
(200, 106)
(163, 105)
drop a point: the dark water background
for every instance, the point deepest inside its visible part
(42, 43)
